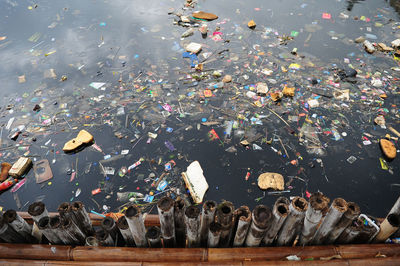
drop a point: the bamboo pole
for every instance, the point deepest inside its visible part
(348, 235)
(260, 223)
(65, 211)
(104, 238)
(165, 207)
(336, 211)
(224, 216)
(44, 227)
(37, 210)
(83, 218)
(293, 223)
(179, 220)
(192, 220)
(353, 210)
(8, 234)
(125, 231)
(111, 227)
(390, 225)
(153, 236)
(135, 221)
(19, 225)
(396, 207)
(242, 217)
(214, 234)
(317, 205)
(74, 231)
(207, 217)
(56, 227)
(279, 213)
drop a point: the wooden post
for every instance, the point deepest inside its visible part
(91, 241)
(74, 231)
(125, 231)
(19, 225)
(44, 227)
(214, 234)
(242, 218)
(317, 206)
(104, 238)
(207, 216)
(388, 227)
(8, 234)
(192, 220)
(109, 225)
(82, 217)
(353, 210)
(179, 220)
(279, 213)
(293, 223)
(37, 210)
(260, 223)
(224, 216)
(153, 236)
(136, 224)
(165, 207)
(336, 211)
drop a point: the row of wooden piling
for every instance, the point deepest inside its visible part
(288, 223)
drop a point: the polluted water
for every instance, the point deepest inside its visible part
(109, 102)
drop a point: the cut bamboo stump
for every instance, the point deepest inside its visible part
(104, 238)
(390, 225)
(192, 220)
(353, 210)
(317, 205)
(336, 211)
(179, 220)
(214, 234)
(242, 217)
(348, 235)
(37, 210)
(74, 231)
(44, 227)
(135, 221)
(8, 234)
(91, 241)
(109, 225)
(165, 207)
(279, 213)
(55, 224)
(293, 223)
(224, 216)
(19, 225)
(260, 223)
(153, 236)
(82, 217)
(126, 233)
(396, 207)
(207, 217)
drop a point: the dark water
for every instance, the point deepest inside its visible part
(136, 50)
